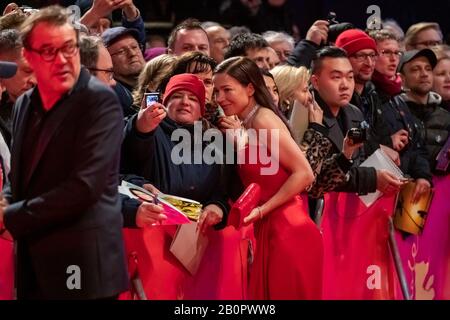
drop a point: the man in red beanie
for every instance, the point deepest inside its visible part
(362, 53)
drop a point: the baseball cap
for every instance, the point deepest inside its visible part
(111, 35)
(412, 54)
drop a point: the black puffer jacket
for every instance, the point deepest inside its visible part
(415, 158)
(435, 124)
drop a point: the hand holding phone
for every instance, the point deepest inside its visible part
(154, 97)
(151, 113)
(151, 98)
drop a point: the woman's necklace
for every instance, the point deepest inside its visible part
(249, 115)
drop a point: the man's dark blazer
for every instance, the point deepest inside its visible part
(66, 211)
(360, 179)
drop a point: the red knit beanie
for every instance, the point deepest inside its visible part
(189, 82)
(354, 40)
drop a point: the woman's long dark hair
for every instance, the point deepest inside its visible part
(245, 71)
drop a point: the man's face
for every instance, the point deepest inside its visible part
(104, 67)
(417, 75)
(389, 58)
(363, 64)
(58, 74)
(335, 82)
(190, 40)
(206, 78)
(22, 81)
(427, 38)
(261, 56)
(273, 58)
(219, 40)
(126, 56)
(283, 50)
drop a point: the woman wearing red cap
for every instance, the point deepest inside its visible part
(148, 151)
(288, 259)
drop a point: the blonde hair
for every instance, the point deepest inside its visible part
(151, 76)
(415, 29)
(288, 79)
(442, 52)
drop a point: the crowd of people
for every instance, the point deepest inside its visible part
(75, 121)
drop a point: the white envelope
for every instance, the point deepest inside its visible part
(189, 245)
(379, 160)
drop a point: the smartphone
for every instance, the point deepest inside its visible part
(406, 178)
(151, 98)
(312, 95)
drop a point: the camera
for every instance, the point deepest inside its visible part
(359, 134)
(151, 98)
(335, 28)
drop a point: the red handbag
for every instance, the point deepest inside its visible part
(244, 205)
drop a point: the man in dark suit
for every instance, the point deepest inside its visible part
(64, 210)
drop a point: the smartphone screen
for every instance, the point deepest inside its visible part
(151, 98)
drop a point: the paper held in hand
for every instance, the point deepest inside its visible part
(189, 245)
(299, 121)
(178, 210)
(379, 160)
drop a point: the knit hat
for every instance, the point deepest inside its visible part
(189, 82)
(354, 40)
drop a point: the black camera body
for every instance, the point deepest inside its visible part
(335, 28)
(359, 134)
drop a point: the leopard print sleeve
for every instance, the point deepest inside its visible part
(316, 146)
(330, 177)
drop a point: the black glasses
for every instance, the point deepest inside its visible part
(127, 49)
(49, 54)
(360, 57)
(109, 72)
(389, 53)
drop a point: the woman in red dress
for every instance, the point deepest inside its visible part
(288, 258)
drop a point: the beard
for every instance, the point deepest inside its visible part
(421, 90)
